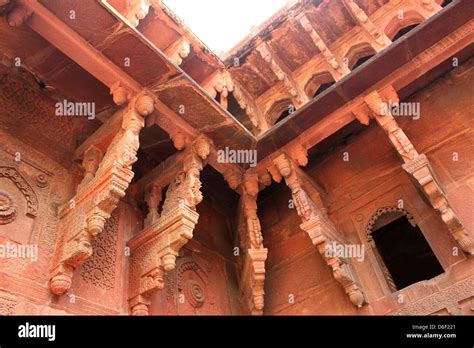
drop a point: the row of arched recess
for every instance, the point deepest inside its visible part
(355, 57)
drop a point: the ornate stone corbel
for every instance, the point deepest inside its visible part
(321, 230)
(340, 69)
(178, 50)
(418, 166)
(136, 11)
(120, 94)
(84, 216)
(180, 140)
(154, 250)
(364, 21)
(233, 178)
(253, 272)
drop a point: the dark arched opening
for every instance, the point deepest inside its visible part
(405, 252)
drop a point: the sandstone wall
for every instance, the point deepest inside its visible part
(370, 180)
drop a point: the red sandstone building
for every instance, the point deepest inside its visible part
(323, 166)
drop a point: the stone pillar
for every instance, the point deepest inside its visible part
(155, 249)
(417, 165)
(105, 182)
(321, 230)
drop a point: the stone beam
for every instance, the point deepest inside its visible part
(380, 40)
(322, 231)
(154, 250)
(338, 69)
(415, 164)
(283, 74)
(74, 46)
(107, 177)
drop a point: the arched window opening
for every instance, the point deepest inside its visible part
(402, 23)
(361, 61)
(404, 31)
(359, 54)
(318, 84)
(279, 111)
(283, 115)
(402, 250)
(446, 3)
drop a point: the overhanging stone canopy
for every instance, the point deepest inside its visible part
(169, 87)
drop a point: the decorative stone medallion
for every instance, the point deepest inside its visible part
(8, 209)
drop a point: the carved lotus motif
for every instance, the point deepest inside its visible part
(8, 209)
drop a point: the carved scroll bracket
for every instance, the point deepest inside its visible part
(321, 230)
(155, 249)
(417, 165)
(105, 182)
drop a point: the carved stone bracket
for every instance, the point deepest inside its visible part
(252, 281)
(421, 170)
(253, 272)
(417, 165)
(178, 50)
(84, 216)
(321, 230)
(154, 250)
